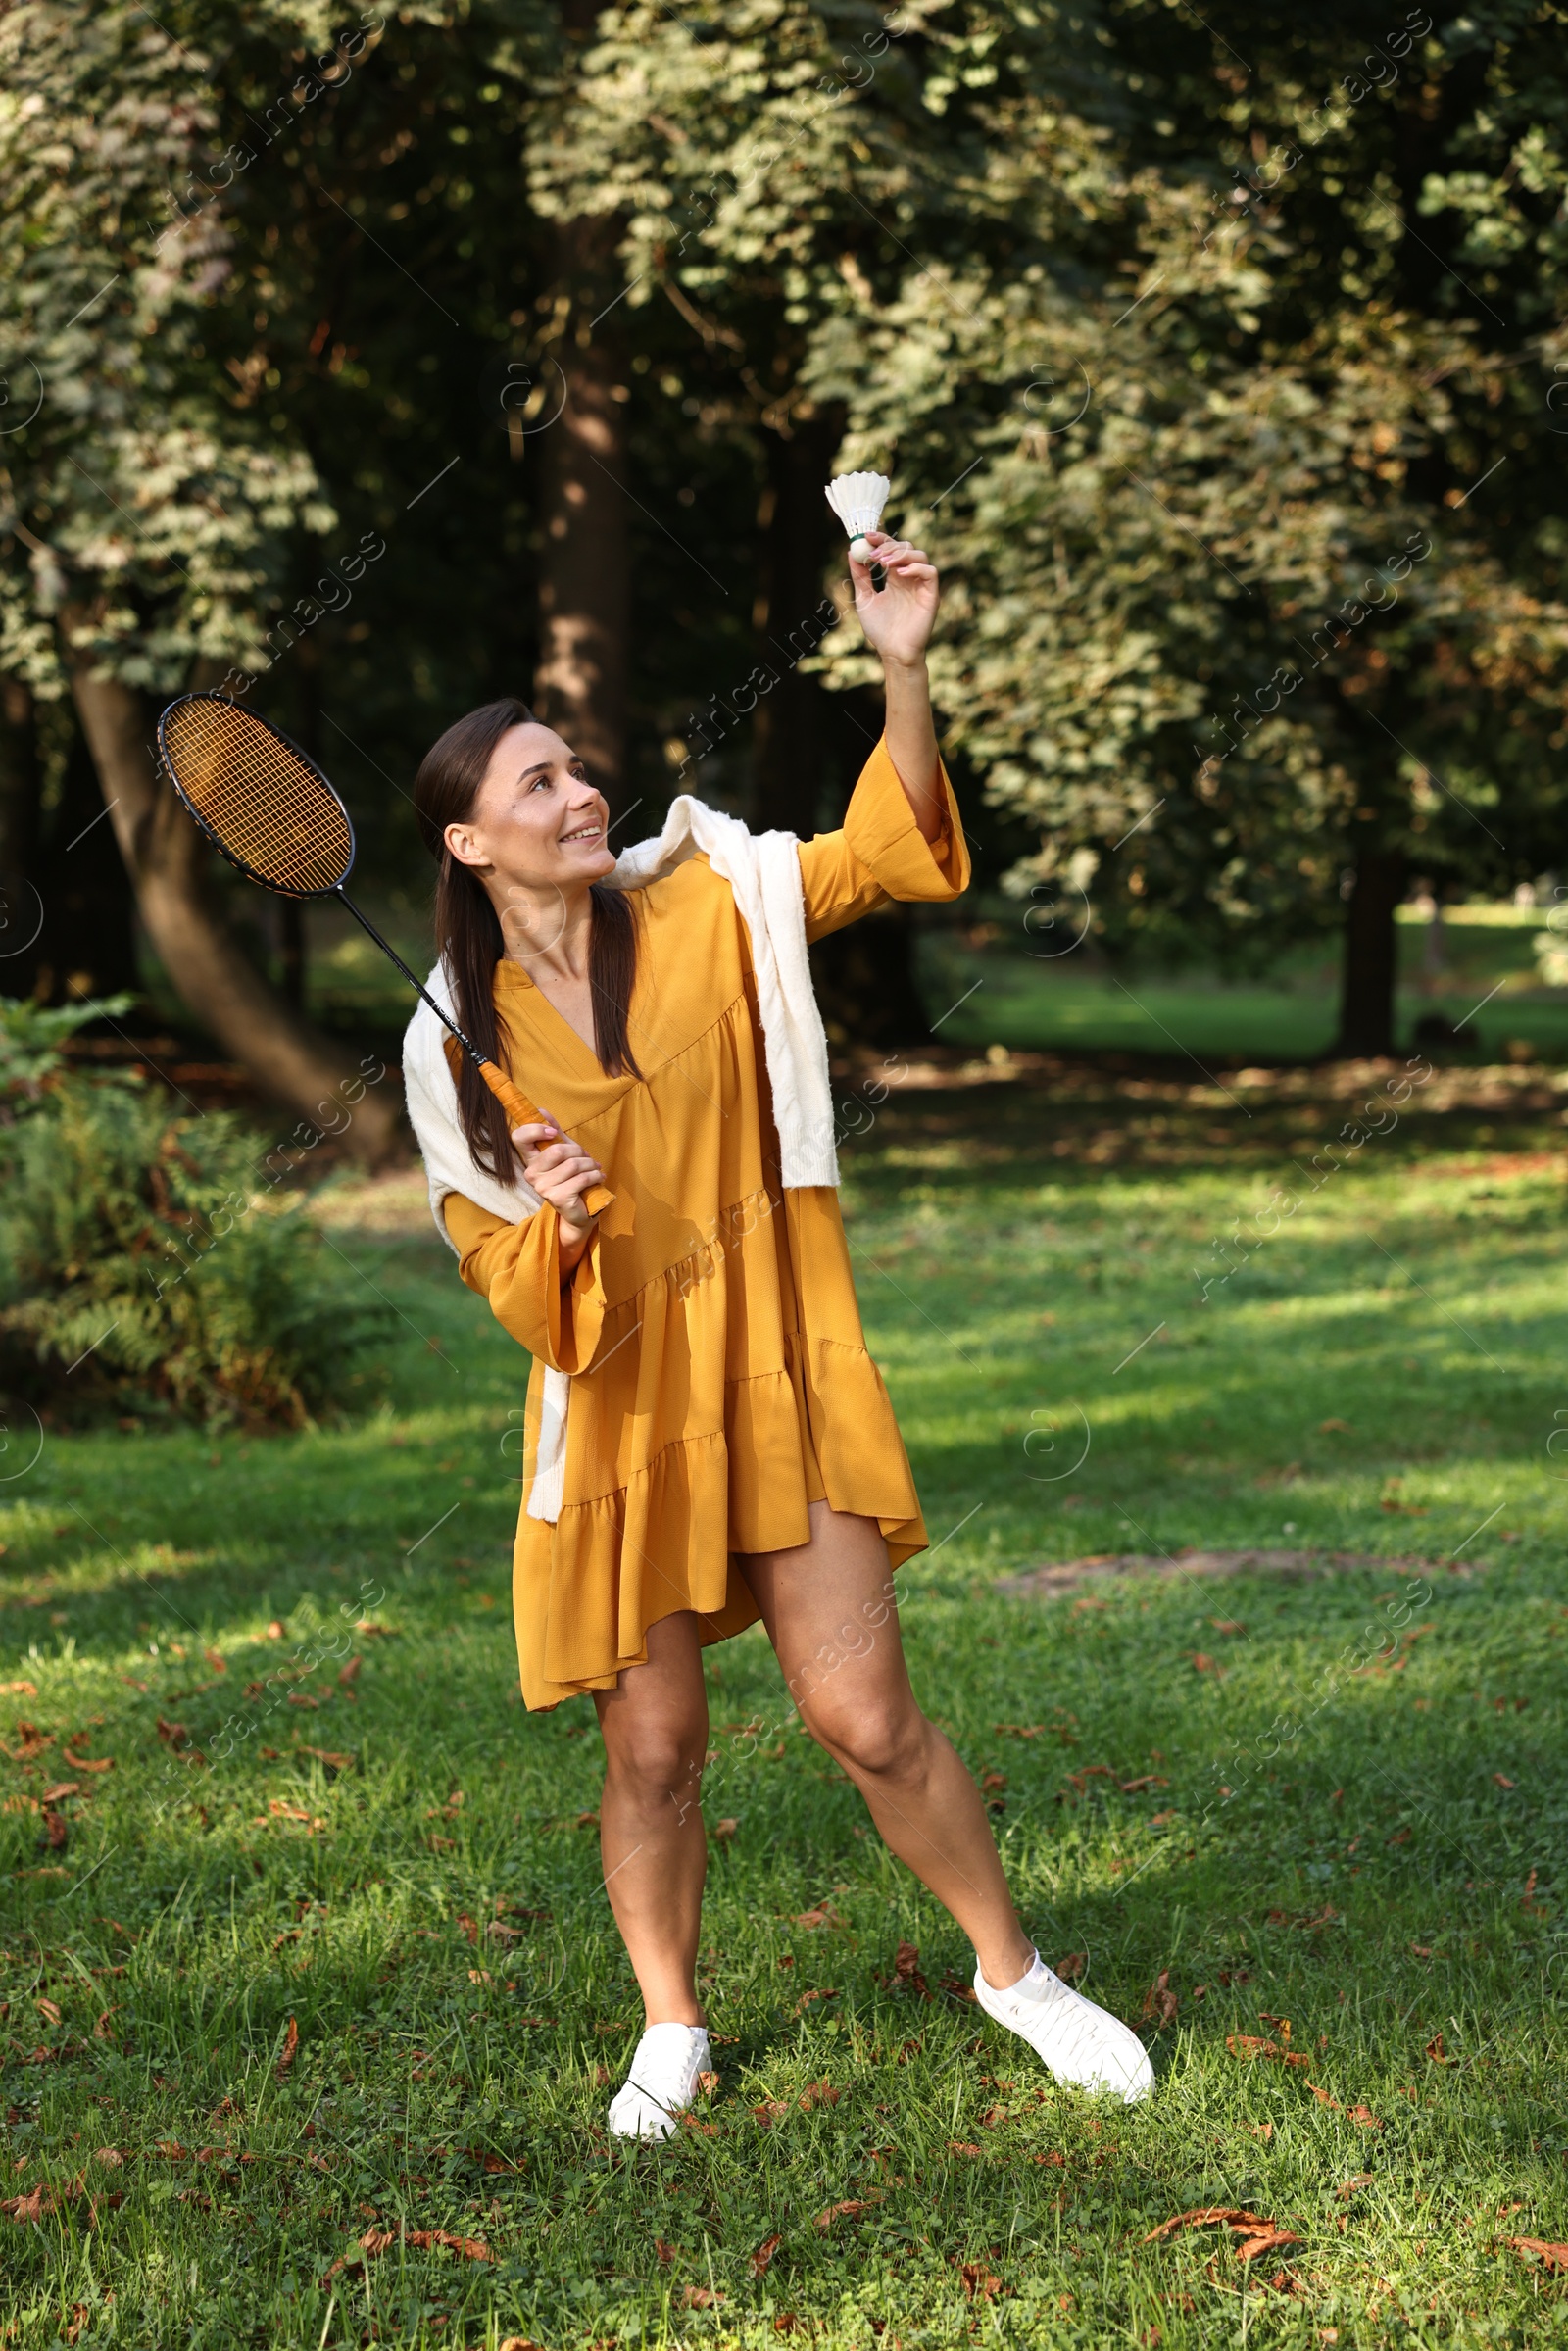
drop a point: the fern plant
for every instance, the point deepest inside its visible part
(149, 1259)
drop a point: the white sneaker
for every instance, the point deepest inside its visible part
(1079, 2042)
(662, 2080)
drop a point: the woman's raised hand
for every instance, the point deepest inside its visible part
(559, 1170)
(899, 620)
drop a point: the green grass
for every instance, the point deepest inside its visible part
(1026, 999)
(1326, 1833)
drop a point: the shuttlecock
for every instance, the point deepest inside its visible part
(857, 499)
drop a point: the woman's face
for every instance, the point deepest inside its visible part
(536, 830)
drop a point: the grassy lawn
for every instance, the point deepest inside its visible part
(312, 2001)
(1488, 977)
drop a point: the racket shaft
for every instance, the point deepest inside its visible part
(520, 1112)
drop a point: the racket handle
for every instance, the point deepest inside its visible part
(520, 1112)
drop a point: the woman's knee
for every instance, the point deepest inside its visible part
(883, 1738)
(662, 1755)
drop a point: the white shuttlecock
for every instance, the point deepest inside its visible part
(857, 499)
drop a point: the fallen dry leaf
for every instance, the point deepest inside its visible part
(18, 1690)
(1159, 2000)
(1435, 2051)
(1364, 2114)
(765, 2254)
(907, 1969)
(1072, 1967)
(980, 2281)
(962, 2146)
(1550, 2256)
(33, 1742)
(87, 1763)
(1267, 2240)
(48, 2010)
(666, 2252)
(347, 1673)
(1504, 1780)
(1249, 2044)
(724, 1830)
(291, 2042)
(277, 1630)
(701, 2297)
(772, 2111)
(1350, 2187)
(850, 2208)
(1253, 2234)
(826, 1992)
(816, 2093)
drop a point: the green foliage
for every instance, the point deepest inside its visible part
(1244, 452)
(148, 1261)
(143, 511)
(31, 1035)
(1368, 1875)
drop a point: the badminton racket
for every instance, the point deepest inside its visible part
(272, 813)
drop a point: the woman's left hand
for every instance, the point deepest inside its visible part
(899, 620)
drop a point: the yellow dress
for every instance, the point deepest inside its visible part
(719, 1376)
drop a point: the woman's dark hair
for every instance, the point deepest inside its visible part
(470, 940)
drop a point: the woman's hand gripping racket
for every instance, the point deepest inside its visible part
(272, 813)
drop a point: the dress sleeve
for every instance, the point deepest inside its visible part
(880, 853)
(517, 1268)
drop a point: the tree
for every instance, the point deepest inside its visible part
(1249, 484)
(154, 524)
(756, 159)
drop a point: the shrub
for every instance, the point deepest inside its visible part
(147, 1257)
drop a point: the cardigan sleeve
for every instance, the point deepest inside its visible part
(517, 1268)
(879, 853)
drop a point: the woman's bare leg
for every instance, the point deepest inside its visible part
(651, 1834)
(829, 1611)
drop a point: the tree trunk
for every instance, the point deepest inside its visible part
(88, 943)
(1371, 956)
(584, 594)
(790, 763)
(165, 855)
(21, 784)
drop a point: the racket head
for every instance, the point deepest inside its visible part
(262, 802)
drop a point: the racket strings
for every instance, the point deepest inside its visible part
(263, 805)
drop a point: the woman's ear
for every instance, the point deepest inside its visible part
(462, 844)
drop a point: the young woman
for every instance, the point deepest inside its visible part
(732, 1452)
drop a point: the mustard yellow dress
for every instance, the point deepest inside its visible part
(719, 1377)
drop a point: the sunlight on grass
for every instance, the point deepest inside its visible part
(317, 1958)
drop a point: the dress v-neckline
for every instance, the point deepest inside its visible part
(555, 1013)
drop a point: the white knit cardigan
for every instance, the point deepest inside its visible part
(764, 874)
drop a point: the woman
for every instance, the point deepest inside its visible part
(732, 1453)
